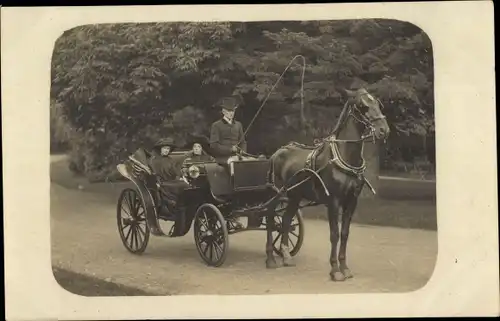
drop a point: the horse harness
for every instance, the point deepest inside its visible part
(357, 171)
(332, 140)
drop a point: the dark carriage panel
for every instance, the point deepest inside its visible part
(251, 174)
(219, 179)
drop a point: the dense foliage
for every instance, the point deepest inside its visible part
(116, 87)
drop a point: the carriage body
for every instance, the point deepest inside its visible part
(211, 190)
(247, 187)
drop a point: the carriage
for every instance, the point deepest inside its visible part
(211, 202)
(331, 172)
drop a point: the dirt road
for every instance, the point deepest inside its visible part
(85, 240)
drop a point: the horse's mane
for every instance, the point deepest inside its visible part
(341, 118)
(300, 145)
(335, 131)
(314, 146)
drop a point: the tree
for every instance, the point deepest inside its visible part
(122, 86)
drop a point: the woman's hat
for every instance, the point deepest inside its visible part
(164, 142)
(199, 139)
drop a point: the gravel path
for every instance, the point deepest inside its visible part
(85, 240)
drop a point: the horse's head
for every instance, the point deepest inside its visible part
(367, 111)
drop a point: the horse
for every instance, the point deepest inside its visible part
(329, 173)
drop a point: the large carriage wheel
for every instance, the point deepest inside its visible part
(296, 235)
(210, 234)
(131, 218)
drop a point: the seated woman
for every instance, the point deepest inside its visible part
(198, 154)
(161, 163)
(168, 169)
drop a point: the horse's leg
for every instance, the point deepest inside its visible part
(344, 236)
(270, 260)
(291, 209)
(333, 212)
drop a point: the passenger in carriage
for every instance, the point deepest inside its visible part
(198, 154)
(168, 169)
(161, 162)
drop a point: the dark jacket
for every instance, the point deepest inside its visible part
(224, 135)
(165, 166)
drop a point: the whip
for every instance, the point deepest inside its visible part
(274, 86)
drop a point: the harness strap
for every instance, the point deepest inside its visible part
(358, 171)
(337, 159)
(370, 185)
(310, 163)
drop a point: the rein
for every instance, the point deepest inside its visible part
(333, 141)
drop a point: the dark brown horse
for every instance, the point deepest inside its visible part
(339, 165)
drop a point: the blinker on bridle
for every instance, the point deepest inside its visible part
(362, 119)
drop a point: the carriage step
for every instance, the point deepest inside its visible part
(246, 211)
(167, 218)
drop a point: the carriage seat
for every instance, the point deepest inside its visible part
(141, 158)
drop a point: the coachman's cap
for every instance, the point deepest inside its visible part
(229, 103)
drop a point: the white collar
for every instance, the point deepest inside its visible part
(226, 119)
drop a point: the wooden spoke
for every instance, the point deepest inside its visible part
(130, 205)
(210, 229)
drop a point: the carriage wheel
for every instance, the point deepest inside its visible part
(296, 235)
(211, 235)
(131, 218)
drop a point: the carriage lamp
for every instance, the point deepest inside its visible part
(194, 171)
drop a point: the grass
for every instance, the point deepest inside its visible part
(90, 286)
(406, 190)
(415, 214)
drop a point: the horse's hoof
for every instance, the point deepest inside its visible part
(347, 273)
(337, 276)
(271, 264)
(288, 262)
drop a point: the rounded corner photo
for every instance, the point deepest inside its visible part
(243, 158)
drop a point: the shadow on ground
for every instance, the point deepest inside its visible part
(85, 285)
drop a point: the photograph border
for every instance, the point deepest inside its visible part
(465, 280)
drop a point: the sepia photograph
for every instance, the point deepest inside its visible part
(314, 138)
(249, 161)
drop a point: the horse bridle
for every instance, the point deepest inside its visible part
(337, 159)
(362, 119)
(368, 124)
